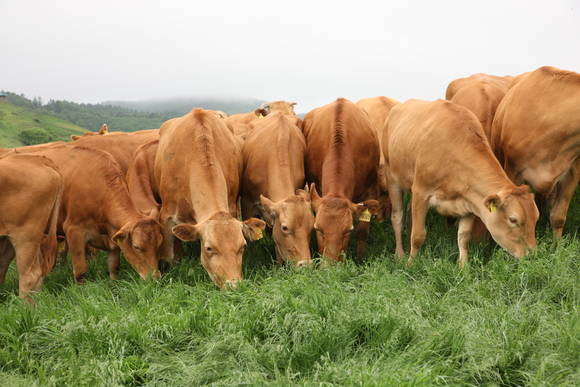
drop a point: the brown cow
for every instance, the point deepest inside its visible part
(197, 170)
(378, 109)
(480, 93)
(121, 146)
(97, 210)
(439, 152)
(240, 124)
(536, 137)
(342, 158)
(273, 173)
(29, 203)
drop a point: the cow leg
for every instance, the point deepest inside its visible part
(6, 256)
(418, 233)
(463, 237)
(113, 260)
(362, 234)
(247, 208)
(561, 200)
(62, 250)
(178, 249)
(167, 248)
(29, 267)
(396, 196)
(77, 244)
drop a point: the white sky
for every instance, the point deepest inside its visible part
(90, 51)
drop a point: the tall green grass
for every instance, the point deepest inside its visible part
(498, 322)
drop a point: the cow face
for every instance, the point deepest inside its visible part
(334, 221)
(512, 220)
(291, 220)
(140, 241)
(223, 240)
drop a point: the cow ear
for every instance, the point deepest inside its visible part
(253, 229)
(268, 210)
(120, 236)
(303, 194)
(314, 197)
(492, 202)
(186, 232)
(365, 210)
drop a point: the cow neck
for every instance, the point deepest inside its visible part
(338, 174)
(280, 177)
(338, 167)
(208, 192)
(484, 178)
(121, 209)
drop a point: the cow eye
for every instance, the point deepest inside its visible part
(138, 248)
(285, 228)
(208, 249)
(513, 220)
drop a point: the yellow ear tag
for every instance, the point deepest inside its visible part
(105, 132)
(259, 233)
(260, 115)
(365, 216)
(492, 207)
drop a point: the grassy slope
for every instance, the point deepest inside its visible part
(13, 119)
(498, 322)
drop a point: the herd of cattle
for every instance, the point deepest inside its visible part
(467, 156)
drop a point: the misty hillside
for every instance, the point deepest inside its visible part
(26, 125)
(180, 106)
(127, 116)
(92, 116)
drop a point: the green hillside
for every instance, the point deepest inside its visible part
(19, 125)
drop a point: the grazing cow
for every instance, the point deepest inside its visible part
(120, 145)
(378, 109)
(536, 137)
(198, 166)
(97, 210)
(480, 93)
(240, 124)
(29, 204)
(439, 152)
(342, 158)
(273, 173)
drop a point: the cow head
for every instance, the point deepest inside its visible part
(276, 106)
(291, 220)
(335, 219)
(511, 219)
(140, 241)
(223, 240)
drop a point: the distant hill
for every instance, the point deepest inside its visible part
(92, 116)
(127, 116)
(21, 125)
(180, 106)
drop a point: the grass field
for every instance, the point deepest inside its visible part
(498, 322)
(14, 119)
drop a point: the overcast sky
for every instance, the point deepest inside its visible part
(304, 51)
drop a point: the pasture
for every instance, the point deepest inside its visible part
(498, 322)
